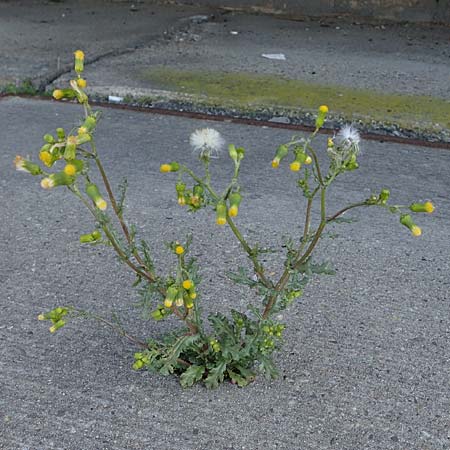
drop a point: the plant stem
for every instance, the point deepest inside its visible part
(115, 327)
(150, 276)
(256, 264)
(343, 210)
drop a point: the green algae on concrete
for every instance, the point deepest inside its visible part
(249, 91)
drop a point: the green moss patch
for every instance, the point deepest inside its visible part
(255, 91)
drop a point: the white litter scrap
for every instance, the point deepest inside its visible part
(234, 33)
(114, 99)
(277, 56)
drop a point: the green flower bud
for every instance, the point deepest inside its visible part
(240, 153)
(281, 153)
(406, 220)
(94, 194)
(426, 207)
(384, 196)
(170, 167)
(172, 292)
(23, 165)
(235, 200)
(49, 139)
(71, 148)
(90, 237)
(79, 61)
(320, 120)
(221, 213)
(90, 123)
(57, 179)
(233, 152)
(60, 133)
(56, 326)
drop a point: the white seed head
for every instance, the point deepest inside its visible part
(348, 136)
(207, 142)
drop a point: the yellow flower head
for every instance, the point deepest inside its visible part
(70, 170)
(82, 130)
(187, 284)
(58, 94)
(164, 168)
(330, 142)
(46, 158)
(221, 221)
(323, 109)
(179, 249)
(416, 230)
(193, 295)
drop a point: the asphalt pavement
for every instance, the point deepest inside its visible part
(366, 362)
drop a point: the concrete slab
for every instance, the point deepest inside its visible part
(367, 359)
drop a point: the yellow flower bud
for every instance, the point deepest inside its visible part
(179, 302)
(323, 109)
(406, 220)
(187, 284)
(233, 211)
(101, 204)
(416, 230)
(429, 207)
(82, 83)
(330, 142)
(179, 249)
(193, 295)
(41, 317)
(308, 160)
(426, 207)
(79, 54)
(275, 163)
(168, 303)
(82, 130)
(170, 167)
(221, 213)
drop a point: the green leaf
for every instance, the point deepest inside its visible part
(221, 325)
(192, 375)
(241, 277)
(216, 375)
(309, 268)
(267, 367)
(171, 360)
(237, 379)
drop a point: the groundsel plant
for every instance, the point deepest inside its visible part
(236, 346)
